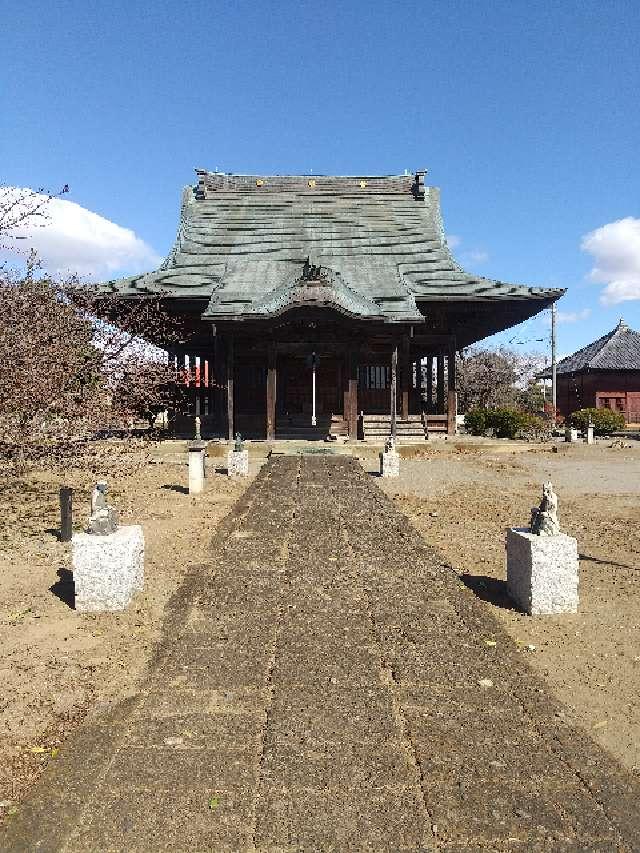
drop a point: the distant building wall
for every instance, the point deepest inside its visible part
(618, 390)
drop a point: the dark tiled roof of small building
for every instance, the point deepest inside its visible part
(244, 243)
(617, 350)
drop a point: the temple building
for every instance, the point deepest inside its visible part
(603, 375)
(322, 305)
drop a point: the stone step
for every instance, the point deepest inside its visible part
(387, 419)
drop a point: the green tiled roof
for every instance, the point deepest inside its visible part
(244, 244)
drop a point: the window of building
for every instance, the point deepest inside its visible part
(375, 377)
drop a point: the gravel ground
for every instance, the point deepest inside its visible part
(326, 682)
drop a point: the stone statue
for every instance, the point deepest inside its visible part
(544, 519)
(104, 518)
(239, 446)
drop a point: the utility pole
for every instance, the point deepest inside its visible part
(554, 311)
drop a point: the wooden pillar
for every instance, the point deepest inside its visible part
(271, 392)
(346, 388)
(430, 384)
(405, 378)
(230, 372)
(219, 381)
(418, 366)
(440, 385)
(352, 394)
(452, 403)
(394, 394)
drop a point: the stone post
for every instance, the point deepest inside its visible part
(542, 563)
(542, 572)
(66, 513)
(238, 459)
(238, 463)
(197, 457)
(589, 437)
(108, 560)
(107, 570)
(389, 460)
(570, 434)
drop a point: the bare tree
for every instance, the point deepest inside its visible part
(22, 209)
(76, 362)
(496, 377)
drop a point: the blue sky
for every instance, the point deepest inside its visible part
(525, 113)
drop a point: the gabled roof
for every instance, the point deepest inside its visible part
(617, 350)
(244, 242)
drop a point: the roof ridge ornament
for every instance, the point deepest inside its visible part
(418, 185)
(314, 274)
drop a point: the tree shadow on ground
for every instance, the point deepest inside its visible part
(374, 473)
(600, 562)
(65, 588)
(174, 487)
(489, 589)
(54, 531)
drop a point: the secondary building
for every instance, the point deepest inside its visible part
(313, 303)
(604, 374)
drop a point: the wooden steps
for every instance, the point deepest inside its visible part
(378, 428)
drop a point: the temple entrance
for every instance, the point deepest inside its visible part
(250, 400)
(295, 396)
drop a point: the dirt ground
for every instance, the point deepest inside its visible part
(326, 683)
(462, 502)
(58, 665)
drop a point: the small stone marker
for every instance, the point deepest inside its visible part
(197, 462)
(589, 437)
(389, 460)
(542, 563)
(238, 459)
(570, 434)
(108, 560)
(66, 513)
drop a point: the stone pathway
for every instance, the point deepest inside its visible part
(326, 683)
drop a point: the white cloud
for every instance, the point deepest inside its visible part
(573, 316)
(471, 256)
(477, 256)
(616, 251)
(71, 240)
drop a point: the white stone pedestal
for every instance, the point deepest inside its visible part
(542, 572)
(197, 453)
(389, 464)
(108, 570)
(238, 463)
(589, 439)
